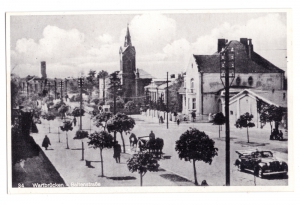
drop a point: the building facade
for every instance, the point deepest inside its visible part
(202, 92)
(133, 79)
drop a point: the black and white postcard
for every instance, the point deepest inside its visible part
(156, 101)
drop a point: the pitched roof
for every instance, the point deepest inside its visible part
(144, 74)
(243, 64)
(277, 98)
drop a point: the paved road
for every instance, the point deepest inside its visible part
(68, 162)
(214, 174)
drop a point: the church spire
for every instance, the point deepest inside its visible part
(127, 38)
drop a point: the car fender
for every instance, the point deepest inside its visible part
(237, 162)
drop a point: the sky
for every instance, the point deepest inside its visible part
(164, 42)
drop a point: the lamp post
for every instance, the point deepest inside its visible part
(80, 85)
(167, 100)
(227, 70)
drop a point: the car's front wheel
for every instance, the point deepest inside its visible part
(260, 173)
(240, 167)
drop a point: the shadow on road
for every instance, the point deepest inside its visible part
(122, 178)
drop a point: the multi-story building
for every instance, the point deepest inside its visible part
(203, 88)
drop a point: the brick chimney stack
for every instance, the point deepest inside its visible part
(250, 47)
(43, 69)
(221, 44)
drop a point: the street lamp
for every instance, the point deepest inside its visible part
(80, 85)
(227, 70)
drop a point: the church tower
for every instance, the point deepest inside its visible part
(127, 67)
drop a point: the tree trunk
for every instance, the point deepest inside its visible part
(49, 126)
(102, 174)
(115, 136)
(141, 177)
(124, 151)
(219, 131)
(67, 140)
(195, 173)
(82, 150)
(271, 127)
(247, 135)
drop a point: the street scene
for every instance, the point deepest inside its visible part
(151, 99)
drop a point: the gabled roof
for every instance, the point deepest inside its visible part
(243, 64)
(144, 74)
(273, 98)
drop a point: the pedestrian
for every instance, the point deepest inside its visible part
(161, 119)
(74, 121)
(46, 142)
(280, 135)
(133, 140)
(117, 152)
(178, 121)
(151, 135)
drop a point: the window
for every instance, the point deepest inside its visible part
(192, 85)
(231, 112)
(238, 81)
(188, 103)
(250, 81)
(194, 103)
(162, 97)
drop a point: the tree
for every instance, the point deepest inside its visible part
(102, 117)
(129, 106)
(80, 135)
(219, 119)
(245, 121)
(270, 113)
(49, 117)
(196, 146)
(77, 112)
(101, 140)
(121, 123)
(91, 82)
(67, 127)
(141, 163)
(115, 86)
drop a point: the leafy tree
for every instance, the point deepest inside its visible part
(96, 101)
(80, 135)
(130, 106)
(58, 105)
(245, 121)
(271, 113)
(102, 117)
(115, 86)
(141, 163)
(91, 82)
(67, 127)
(101, 140)
(121, 123)
(219, 119)
(77, 112)
(49, 116)
(196, 146)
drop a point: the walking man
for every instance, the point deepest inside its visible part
(151, 135)
(46, 142)
(74, 121)
(178, 121)
(117, 151)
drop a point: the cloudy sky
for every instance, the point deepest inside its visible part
(71, 44)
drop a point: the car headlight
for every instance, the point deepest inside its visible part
(268, 164)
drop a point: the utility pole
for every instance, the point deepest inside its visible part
(227, 70)
(167, 100)
(61, 85)
(66, 81)
(80, 85)
(55, 94)
(104, 89)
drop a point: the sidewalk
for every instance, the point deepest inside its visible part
(68, 161)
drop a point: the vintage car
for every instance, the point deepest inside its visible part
(261, 163)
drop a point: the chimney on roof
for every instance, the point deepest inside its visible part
(43, 69)
(221, 44)
(244, 41)
(250, 48)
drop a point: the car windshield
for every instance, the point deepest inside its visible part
(266, 154)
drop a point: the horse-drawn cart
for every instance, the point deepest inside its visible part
(153, 146)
